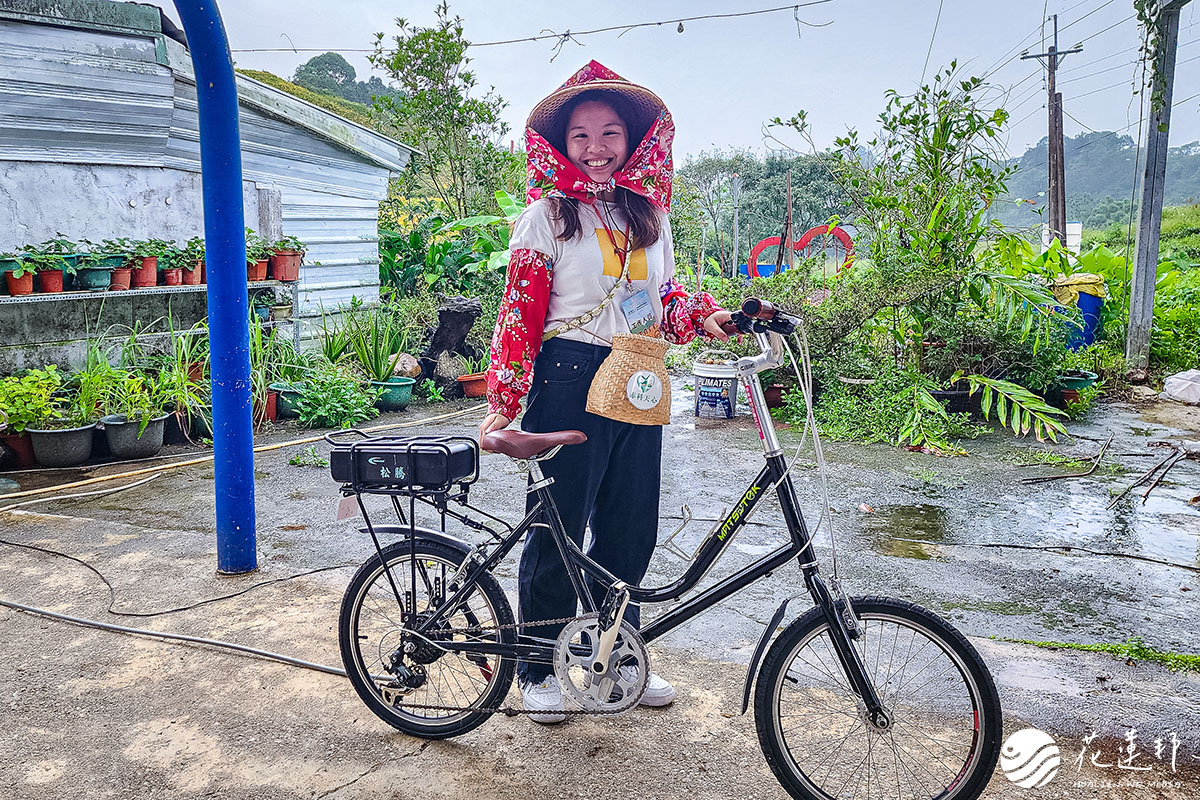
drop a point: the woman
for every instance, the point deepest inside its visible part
(593, 239)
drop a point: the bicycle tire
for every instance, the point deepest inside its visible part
(358, 670)
(877, 614)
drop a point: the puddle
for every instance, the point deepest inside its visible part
(892, 529)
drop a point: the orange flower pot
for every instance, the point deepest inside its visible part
(285, 265)
(120, 279)
(50, 281)
(145, 275)
(21, 285)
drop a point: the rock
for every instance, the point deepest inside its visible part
(1144, 393)
(446, 370)
(407, 366)
(455, 319)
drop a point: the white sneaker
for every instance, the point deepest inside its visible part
(545, 696)
(659, 693)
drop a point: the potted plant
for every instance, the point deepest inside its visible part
(135, 415)
(191, 257)
(287, 255)
(9, 261)
(20, 277)
(181, 390)
(144, 261)
(63, 438)
(258, 254)
(261, 304)
(24, 400)
(58, 246)
(474, 383)
(50, 268)
(373, 341)
(170, 266)
(281, 311)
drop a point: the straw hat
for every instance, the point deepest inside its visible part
(548, 117)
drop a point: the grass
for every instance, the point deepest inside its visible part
(309, 457)
(1031, 456)
(1133, 649)
(355, 112)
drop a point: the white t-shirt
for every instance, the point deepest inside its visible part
(585, 268)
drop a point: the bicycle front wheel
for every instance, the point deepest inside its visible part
(946, 721)
(410, 681)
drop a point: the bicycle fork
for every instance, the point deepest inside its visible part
(843, 629)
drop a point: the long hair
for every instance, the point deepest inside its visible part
(645, 224)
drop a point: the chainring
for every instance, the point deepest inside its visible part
(620, 686)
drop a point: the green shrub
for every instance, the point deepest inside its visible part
(332, 399)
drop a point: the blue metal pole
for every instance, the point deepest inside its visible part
(228, 304)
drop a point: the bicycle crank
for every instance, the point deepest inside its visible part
(619, 682)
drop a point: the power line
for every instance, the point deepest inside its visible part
(1093, 11)
(567, 34)
(931, 38)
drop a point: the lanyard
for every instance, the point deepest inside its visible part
(621, 252)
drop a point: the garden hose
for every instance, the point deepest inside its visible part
(207, 458)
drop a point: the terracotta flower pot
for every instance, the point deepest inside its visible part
(474, 385)
(21, 446)
(172, 277)
(773, 394)
(196, 371)
(257, 271)
(193, 276)
(50, 281)
(120, 278)
(272, 405)
(285, 265)
(147, 274)
(21, 285)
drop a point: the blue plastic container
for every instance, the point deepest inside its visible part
(1089, 306)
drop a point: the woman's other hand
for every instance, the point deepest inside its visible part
(713, 323)
(492, 422)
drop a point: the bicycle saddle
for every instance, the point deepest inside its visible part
(519, 444)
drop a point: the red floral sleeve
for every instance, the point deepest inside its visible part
(683, 313)
(518, 334)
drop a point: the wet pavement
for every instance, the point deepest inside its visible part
(113, 714)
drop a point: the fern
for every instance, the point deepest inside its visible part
(917, 430)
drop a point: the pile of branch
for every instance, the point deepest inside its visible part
(1153, 477)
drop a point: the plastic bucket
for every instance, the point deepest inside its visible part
(716, 382)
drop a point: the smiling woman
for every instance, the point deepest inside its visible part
(591, 261)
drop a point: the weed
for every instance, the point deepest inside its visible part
(309, 457)
(1133, 649)
(1031, 457)
(432, 392)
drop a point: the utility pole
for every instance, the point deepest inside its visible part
(1141, 293)
(1057, 184)
(735, 188)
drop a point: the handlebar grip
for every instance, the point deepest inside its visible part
(759, 309)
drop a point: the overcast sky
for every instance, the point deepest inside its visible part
(723, 78)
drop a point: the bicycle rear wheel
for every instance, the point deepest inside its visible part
(396, 672)
(946, 720)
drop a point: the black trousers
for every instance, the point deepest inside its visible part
(610, 483)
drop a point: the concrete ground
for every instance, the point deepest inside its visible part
(89, 713)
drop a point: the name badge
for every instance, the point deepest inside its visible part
(639, 314)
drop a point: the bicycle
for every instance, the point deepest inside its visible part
(864, 693)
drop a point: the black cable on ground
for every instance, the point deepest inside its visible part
(175, 637)
(112, 595)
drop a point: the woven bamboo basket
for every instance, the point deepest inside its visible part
(632, 384)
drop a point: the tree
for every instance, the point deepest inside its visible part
(329, 73)
(709, 175)
(441, 112)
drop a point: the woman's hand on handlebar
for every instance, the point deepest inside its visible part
(716, 322)
(493, 422)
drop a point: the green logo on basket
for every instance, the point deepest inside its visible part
(645, 382)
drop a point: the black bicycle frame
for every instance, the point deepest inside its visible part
(545, 514)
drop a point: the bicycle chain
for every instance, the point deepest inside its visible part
(507, 711)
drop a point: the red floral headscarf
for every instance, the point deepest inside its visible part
(647, 172)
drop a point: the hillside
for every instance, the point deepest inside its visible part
(1100, 178)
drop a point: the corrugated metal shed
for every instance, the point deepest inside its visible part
(91, 82)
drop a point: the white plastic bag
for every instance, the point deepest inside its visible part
(1183, 387)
